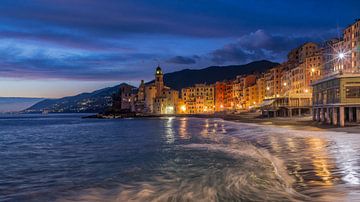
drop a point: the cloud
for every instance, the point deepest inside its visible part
(256, 46)
(183, 60)
(42, 63)
(93, 39)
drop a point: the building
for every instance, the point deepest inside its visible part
(336, 99)
(160, 99)
(261, 90)
(138, 98)
(166, 102)
(273, 82)
(122, 101)
(220, 91)
(351, 48)
(288, 86)
(199, 99)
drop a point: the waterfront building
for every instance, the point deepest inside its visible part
(199, 99)
(273, 81)
(219, 96)
(138, 98)
(166, 102)
(288, 86)
(336, 97)
(251, 97)
(122, 101)
(229, 99)
(261, 89)
(150, 95)
(160, 99)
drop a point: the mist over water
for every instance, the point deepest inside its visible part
(66, 158)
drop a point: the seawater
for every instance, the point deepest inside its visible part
(66, 158)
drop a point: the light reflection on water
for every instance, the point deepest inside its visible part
(65, 158)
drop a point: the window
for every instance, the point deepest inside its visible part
(353, 92)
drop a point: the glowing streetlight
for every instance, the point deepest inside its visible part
(341, 56)
(306, 90)
(285, 84)
(183, 108)
(267, 88)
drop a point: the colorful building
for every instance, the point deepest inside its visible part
(336, 97)
(199, 99)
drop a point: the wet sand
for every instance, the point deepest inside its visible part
(297, 123)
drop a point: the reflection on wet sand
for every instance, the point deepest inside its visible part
(321, 161)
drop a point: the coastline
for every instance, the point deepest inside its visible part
(296, 123)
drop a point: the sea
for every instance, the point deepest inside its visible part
(63, 157)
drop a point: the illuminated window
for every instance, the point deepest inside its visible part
(353, 92)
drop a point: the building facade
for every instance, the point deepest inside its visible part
(199, 99)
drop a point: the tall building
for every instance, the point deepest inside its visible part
(159, 81)
(336, 97)
(273, 81)
(351, 48)
(158, 98)
(220, 91)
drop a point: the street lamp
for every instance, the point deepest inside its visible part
(341, 56)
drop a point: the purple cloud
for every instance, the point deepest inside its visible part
(182, 60)
(256, 46)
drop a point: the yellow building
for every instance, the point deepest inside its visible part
(251, 97)
(199, 99)
(261, 89)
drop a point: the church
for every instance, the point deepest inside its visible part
(155, 97)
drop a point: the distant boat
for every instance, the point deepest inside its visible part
(45, 112)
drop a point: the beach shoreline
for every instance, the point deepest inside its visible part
(296, 123)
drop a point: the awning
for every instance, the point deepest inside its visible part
(267, 102)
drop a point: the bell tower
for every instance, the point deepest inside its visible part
(159, 81)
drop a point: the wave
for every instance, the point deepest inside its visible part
(257, 172)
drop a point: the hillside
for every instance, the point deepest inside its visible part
(210, 75)
(100, 100)
(93, 102)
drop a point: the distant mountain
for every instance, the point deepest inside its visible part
(93, 102)
(100, 100)
(16, 104)
(187, 77)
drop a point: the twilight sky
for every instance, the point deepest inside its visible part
(53, 48)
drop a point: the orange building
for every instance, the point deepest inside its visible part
(220, 91)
